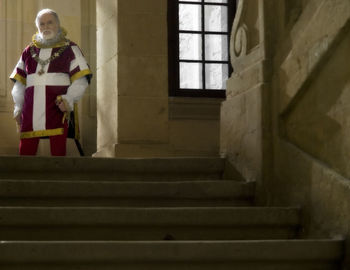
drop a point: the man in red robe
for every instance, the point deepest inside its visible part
(51, 75)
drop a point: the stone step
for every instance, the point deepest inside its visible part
(125, 193)
(172, 255)
(111, 169)
(125, 223)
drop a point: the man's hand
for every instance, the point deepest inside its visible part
(62, 104)
(18, 118)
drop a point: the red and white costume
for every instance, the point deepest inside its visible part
(35, 94)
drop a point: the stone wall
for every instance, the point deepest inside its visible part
(285, 123)
(311, 117)
(136, 117)
(17, 27)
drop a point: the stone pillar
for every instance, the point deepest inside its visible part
(132, 89)
(107, 75)
(88, 108)
(245, 112)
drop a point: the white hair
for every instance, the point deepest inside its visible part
(46, 11)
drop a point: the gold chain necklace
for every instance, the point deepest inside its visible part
(43, 63)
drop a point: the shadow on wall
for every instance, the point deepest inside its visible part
(318, 119)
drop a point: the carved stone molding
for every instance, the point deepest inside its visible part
(239, 34)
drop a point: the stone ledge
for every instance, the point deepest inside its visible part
(84, 168)
(288, 251)
(126, 193)
(148, 223)
(240, 217)
(227, 189)
(194, 108)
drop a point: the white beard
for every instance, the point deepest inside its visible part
(48, 40)
(47, 36)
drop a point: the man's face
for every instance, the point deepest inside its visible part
(48, 26)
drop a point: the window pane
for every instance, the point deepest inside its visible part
(216, 76)
(216, 47)
(191, 75)
(192, 0)
(190, 47)
(190, 17)
(215, 1)
(216, 18)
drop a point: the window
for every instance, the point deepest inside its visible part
(199, 31)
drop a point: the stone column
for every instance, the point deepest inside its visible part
(132, 91)
(107, 75)
(245, 112)
(88, 110)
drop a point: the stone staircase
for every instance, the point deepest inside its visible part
(159, 214)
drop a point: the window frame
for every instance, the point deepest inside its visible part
(173, 49)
